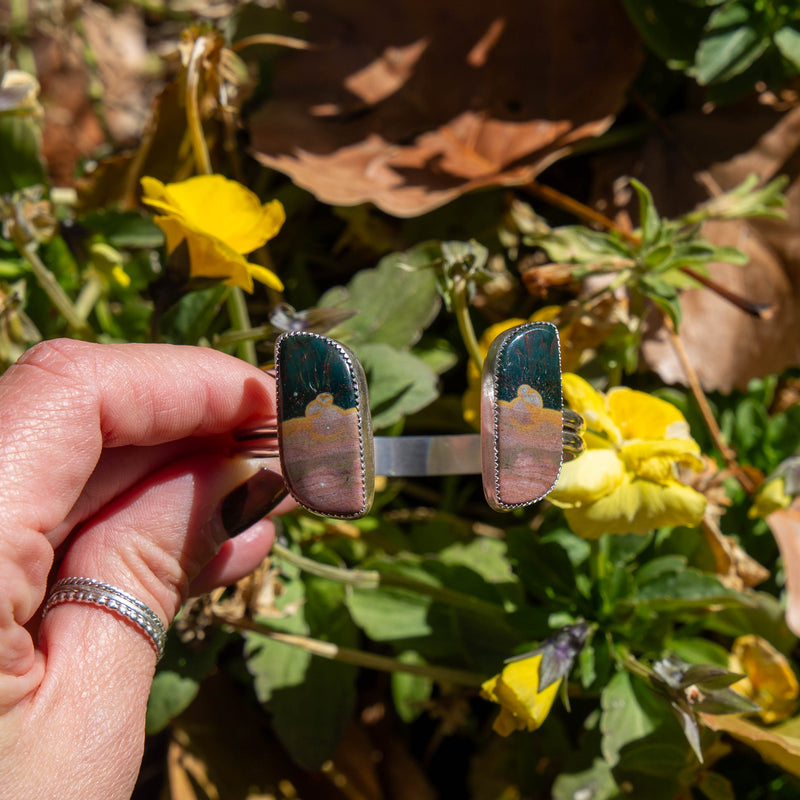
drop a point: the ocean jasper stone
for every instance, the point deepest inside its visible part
(521, 423)
(324, 430)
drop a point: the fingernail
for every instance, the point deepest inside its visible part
(251, 501)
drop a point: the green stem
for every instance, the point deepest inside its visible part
(374, 579)
(461, 303)
(240, 321)
(235, 337)
(357, 658)
(58, 297)
(88, 297)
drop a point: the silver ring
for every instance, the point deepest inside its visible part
(97, 593)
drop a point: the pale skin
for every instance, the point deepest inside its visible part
(112, 466)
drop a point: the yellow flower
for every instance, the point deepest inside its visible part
(516, 689)
(528, 685)
(772, 496)
(626, 480)
(769, 680)
(220, 220)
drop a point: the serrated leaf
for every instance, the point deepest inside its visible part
(395, 301)
(400, 383)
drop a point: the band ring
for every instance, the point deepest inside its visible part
(97, 593)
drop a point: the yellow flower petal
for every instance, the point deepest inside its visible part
(641, 416)
(593, 475)
(220, 208)
(516, 689)
(771, 497)
(211, 258)
(770, 681)
(637, 506)
(655, 460)
(590, 404)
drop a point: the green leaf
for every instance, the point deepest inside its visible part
(596, 783)
(732, 42)
(21, 164)
(311, 699)
(629, 712)
(410, 692)
(576, 244)
(543, 566)
(125, 229)
(787, 40)
(393, 613)
(649, 221)
(623, 548)
(659, 759)
(395, 301)
(715, 787)
(669, 28)
(400, 383)
(659, 566)
(695, 650)
(177, 680)
(671, 591)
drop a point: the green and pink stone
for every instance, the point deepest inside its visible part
(521, 418)
(324, 431)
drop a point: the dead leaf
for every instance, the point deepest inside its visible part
(410, 104)
(735, 568)
(693, 151)
(785, 527)
(779, 745)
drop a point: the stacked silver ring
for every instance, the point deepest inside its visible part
(92, 592)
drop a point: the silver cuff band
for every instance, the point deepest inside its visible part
(417, 456)
(97, 593)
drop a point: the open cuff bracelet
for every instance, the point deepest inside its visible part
(329, 457)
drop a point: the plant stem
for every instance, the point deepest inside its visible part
(357, 658)
(88, 297)
(374, 579)
(240, 321)
(58, 297)
(193, 121)
(727, 452)
(465, 327)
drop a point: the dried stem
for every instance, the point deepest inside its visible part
(358, 658)
(708, 415)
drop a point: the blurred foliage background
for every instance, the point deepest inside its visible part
(415, 177)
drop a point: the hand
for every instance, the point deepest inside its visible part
(113, 467)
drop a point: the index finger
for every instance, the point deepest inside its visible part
(64, 401)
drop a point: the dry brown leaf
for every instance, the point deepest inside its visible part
(779, 745)
(785, 527)
(410, 104)
(726, 347)
(735, 568)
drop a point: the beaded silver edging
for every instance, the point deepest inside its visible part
(97, 593)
